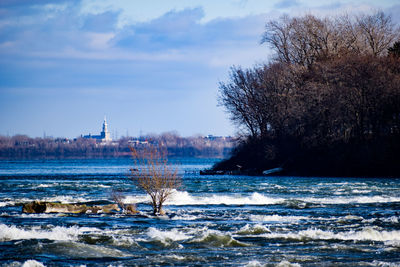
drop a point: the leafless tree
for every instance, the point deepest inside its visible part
(154, 175)
(304, 40)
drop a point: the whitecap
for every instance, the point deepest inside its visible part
(366, 234)
(32, 263)
(384, 264)
(167, 236)
(66, 199)
(217, 239)
(350, 200)
(57, 233)
(249, 229)
(277, 218)
(6, 203)
(46, 185)
(286, 263)
(358, 191)
(184, 198)
(253, 263)
(180, 198)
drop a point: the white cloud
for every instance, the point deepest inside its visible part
(99, 41)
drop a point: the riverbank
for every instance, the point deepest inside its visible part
(375, 158)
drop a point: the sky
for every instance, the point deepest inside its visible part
(149, 66)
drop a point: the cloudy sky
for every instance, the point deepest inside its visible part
(150, 66)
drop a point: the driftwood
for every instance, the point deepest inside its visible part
(53, 207)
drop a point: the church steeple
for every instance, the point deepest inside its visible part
(105, 125)
(105, 134)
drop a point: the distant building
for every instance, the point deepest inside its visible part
(214, 138)
(104, 136)
(139, 142)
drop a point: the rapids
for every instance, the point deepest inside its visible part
(211, 220)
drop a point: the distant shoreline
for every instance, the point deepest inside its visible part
(24, 147)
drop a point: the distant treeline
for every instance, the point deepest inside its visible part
(24, 147)
(328, 104)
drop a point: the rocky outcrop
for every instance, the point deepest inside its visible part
(131, 209)
(52, 207)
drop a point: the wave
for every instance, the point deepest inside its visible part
(215, 238)
(166, 236)
(353, 200)
(78, 250)
(62, 199)
(181, 198)
(59, 233)
(383, 264)
(28, 263)
(283, 263)
(367, 234)
(277, 218)
(253, 230)
(202, 236)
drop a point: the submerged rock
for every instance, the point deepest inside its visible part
(52, 207)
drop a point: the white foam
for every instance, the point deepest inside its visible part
(218, 239)
(285, 263)
(6, 203)
(62, 199)
(253, 263)
(185, 217)
(356, 200)
(181, 198)
(184, 198)
(384, 264)
(277, 218)
(176, 257)
(367, 234)
(392, 219)
(249, 229)
(124, 241)
(136, 199)
(166, 236)
(358, 191)
(66, 199)
(57, 233)
(32, 263)
(46, 185)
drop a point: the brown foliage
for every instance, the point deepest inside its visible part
(332, 86)
(154, 175)
(305, 40)
(118, 198)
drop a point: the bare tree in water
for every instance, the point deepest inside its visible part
(154, 175)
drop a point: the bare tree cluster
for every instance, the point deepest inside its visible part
(304, 40)
(334, 86)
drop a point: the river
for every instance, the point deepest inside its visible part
(210, 221)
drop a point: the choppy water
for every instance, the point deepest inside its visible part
(212, 220)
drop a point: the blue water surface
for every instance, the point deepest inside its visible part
(210, 220)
